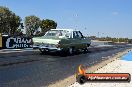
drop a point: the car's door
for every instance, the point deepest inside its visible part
(71, 40)
(81, 40)
(76, 39)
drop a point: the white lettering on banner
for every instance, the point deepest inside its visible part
(8, 42)
(28, 41)
(24, 41)
(18, 43)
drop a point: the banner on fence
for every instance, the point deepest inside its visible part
(16, 42)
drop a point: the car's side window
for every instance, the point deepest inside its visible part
(80, 34)
(75, 34)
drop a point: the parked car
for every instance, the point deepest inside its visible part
(62, 40)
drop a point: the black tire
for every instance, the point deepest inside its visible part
(86, 49)
(81, 79)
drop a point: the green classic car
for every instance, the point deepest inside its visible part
(62, 40)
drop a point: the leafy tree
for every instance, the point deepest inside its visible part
(19, 32)
(15, 23)
(114, 39)
(5, 14)
(130, 41)
(93, 37)
(38, 33)
(9, 21)
(32, 24)
(47, 25)
(21, 26)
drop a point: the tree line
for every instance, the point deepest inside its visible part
(11, 24)
(126, 40)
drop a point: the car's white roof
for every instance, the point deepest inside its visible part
(66, 29)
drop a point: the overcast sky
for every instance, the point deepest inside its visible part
(108, 17)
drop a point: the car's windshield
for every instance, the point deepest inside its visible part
(58, 33)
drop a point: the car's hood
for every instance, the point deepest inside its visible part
(49, 40)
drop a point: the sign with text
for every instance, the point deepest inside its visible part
(16, 42)
(83, 77)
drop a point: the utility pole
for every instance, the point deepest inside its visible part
(76, 20)
(85, 30)
(98, 34)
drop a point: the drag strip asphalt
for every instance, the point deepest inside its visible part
(47, 69)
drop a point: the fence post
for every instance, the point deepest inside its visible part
(0, 40)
